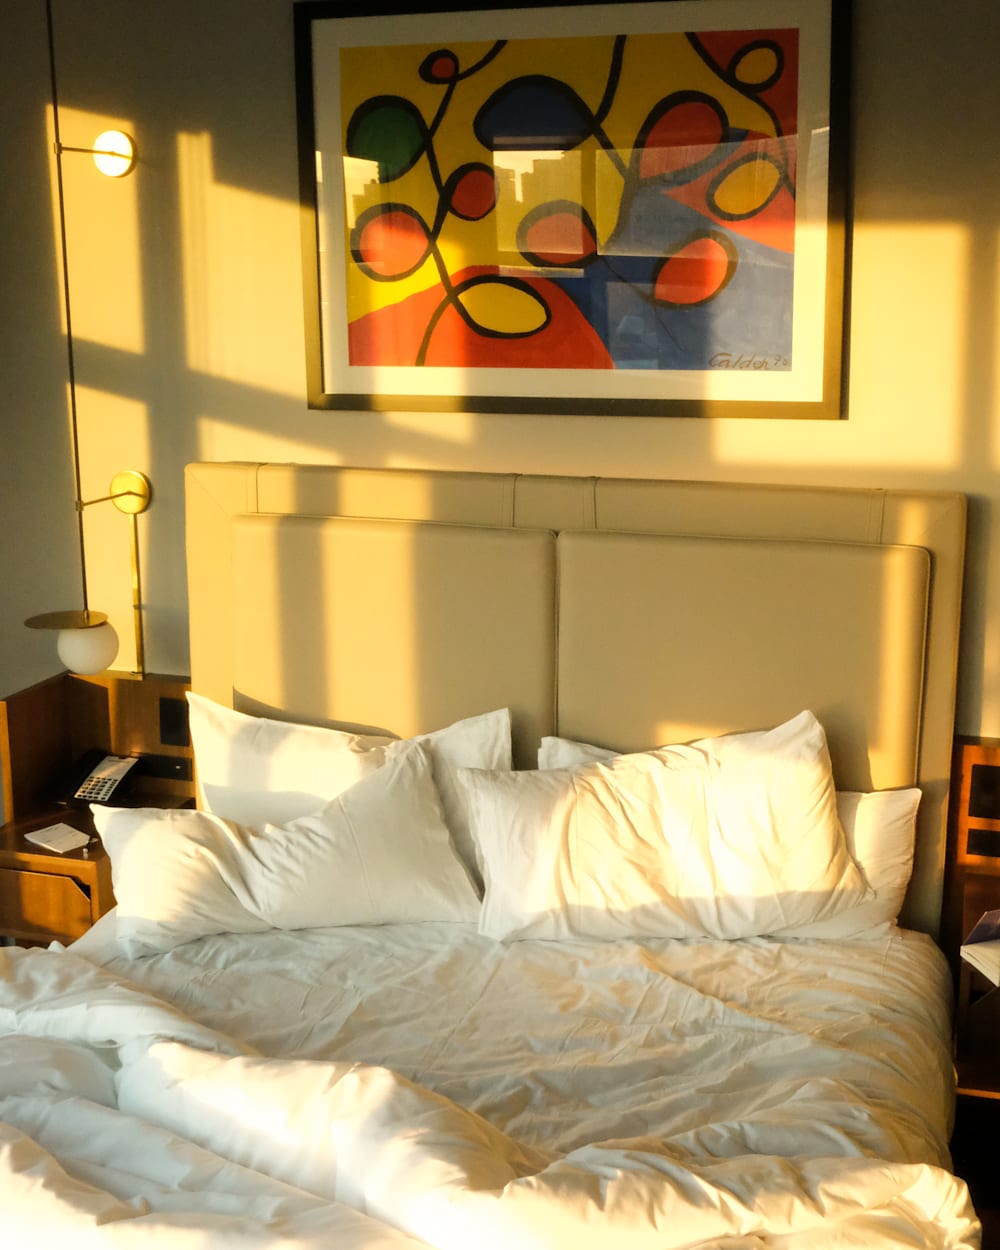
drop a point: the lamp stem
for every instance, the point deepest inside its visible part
(140, 647)
(70, 359)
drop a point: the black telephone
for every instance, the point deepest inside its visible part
(100, 778)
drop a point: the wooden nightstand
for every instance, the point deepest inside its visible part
(977, 1108)
(977, 1036)
(43, 730)
(972, 878)
(45, 895)
(972, 886)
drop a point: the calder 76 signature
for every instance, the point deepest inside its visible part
(738, 360)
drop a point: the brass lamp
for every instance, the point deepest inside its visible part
(87, 641)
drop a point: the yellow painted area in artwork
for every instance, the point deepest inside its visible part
(503, 309)
(745, 189)
(653, 67)
(756, 67)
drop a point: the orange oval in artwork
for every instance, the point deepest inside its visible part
(756, 66)
(560, 238)
(503, 308)
(694, 273)
(747, 187)
(392, 243)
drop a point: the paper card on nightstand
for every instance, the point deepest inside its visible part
(981, 949)
(61, 838)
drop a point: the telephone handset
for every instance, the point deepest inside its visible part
(101, 779)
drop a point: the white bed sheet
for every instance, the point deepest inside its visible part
(765, 1046)
(317, 1087)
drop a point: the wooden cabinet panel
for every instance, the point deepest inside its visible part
(38, 906)
(972, 877)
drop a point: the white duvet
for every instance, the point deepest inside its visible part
(422, 1084)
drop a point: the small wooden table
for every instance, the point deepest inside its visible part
(44, 895)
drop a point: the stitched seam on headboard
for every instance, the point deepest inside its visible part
(590, 520)
(507, 500)
(876, 516)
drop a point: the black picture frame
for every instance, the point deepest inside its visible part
(799, 299)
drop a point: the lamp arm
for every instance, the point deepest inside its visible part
(59, 148)
(119, 494)
(130, 491)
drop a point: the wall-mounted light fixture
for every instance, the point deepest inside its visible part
(114, 152)
(87, 642)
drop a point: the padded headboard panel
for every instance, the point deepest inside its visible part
(627, 613)
(835, 627)
(408, 626)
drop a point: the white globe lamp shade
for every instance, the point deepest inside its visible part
(114, 153)
(88, 651)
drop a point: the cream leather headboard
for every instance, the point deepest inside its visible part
(627, 613)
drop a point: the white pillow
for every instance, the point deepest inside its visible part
(378, 853)
(477, 742)
(729, 837)
(176, 876)
(565, 753)
(880, 829)
(254, 770)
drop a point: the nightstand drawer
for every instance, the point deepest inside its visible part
(40, 906)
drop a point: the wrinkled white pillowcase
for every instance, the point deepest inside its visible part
(378, 853)
(176, 876)
(255, 770)
(879, 827)
(730, 837)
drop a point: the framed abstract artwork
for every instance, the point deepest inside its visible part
(634, 209)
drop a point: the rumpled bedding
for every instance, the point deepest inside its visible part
(421, 1084)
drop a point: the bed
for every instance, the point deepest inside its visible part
(542, 889)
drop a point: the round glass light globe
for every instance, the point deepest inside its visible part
(88, 651)
(114, 153)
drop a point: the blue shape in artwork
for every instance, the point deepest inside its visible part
(748, 324)
(533, 114)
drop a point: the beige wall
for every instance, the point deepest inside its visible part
(190, 346)
(39, 561)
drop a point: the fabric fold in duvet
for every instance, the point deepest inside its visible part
(136, 1125)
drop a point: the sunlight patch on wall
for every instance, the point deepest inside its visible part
(114, 434)
(243, 318)
(102, 237)
(461, 429)
(907, 359)
(993, 398)
(218, 438)
(354, 616)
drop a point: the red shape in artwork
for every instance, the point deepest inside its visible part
(774, 224)
(392, 243)
(475, 194)
(694, 273)
(444, 67)
(560, 238)
(393, 335)
(781, 97)
(684, 135)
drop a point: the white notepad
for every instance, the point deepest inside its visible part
(59, 838)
